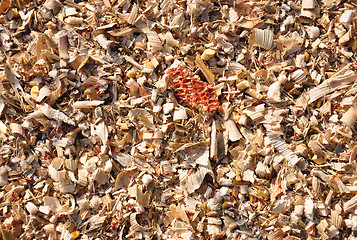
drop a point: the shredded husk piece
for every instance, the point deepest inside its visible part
(178, 119)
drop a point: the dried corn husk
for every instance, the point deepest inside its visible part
(313, 32)
(74, 20)
(133, 14)
(349, 118)
(180, 115)
(308, 4)
(43, 93)
(298, 76)
(3, 176)
(31, 208)
(346, 17)
(205, 70)
(55, 114)
(11, 76)
(103, 41)
(331, 85)
(350, 205)
(232, 130)
(17, 129)
(274, 94)
(87, 104)
(100, 176)
(243, 85)
(154, 41)
(102, 132)
(281, 146)
(2, 106)
(345, 38)
(195, 180)
(143, 116)
(70, 164)
(170, 40)
(115, 135)
(135, 226)
(194, 153)
(262, 38)
(63, 47)
(214, 144)
(255, 113)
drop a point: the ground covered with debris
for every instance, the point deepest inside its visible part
(176, 119)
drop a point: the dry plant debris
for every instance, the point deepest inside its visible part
(176, 119)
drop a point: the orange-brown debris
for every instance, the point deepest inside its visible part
(191, 90)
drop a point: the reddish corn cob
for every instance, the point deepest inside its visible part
(189, 89)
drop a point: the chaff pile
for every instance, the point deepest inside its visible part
(178, 119)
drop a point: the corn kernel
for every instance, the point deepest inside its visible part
(147, 135)
(235, 182)
(138, 75)
(318, 160)
(119, 21)
(302, 224)
(262, 194)
(147, 64)
(16, 13)
(34, 89)
(75, 235)
(235, 118)
(319, 103)
(151, 149)
(34, 92)
(225, 205)
(130, 73)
